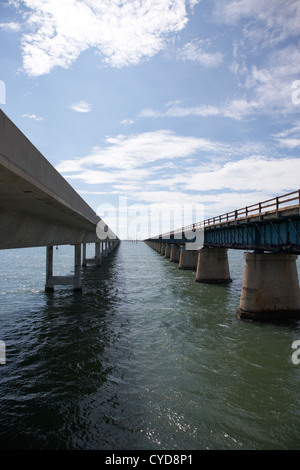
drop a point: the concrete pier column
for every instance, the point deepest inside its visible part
(212, 265)
(168, 250)
(270, 287)
(175, 253)
(77, 268)
(105, 249)
(188, 258)
(97, 254)
(74, 280)
(84, 254)
(49, 269)
(163, 249)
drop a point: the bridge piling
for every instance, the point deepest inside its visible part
(188, 258)
(96, 260)
(212, 265)
(175, 253)
(270, 287)
(168, 250)
(74, 280)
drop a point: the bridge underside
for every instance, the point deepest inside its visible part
(38, 207)
(30, 217)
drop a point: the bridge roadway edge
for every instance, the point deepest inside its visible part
(38, 207)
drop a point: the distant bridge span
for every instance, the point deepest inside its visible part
(272, 225)
(271, 228)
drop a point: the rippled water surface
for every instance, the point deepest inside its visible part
(143, 358)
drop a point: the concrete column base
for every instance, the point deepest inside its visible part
(188, 259)
(270, 287)
(168, 250)
(175, 253)
(212, 265)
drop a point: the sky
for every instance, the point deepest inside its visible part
(157, 107)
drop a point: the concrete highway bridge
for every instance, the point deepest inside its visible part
(38, 207)
(271, 229)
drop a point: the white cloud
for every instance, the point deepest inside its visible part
(255, 173)
(81, 107)
(267, 22)
(33, 116)
(122, 32)
(176, 110)
(162, 160)
(289, 137)
(137, 150)
(196, 51)
(12, 26)
(127, 122)
(265, 90)
(161, 167)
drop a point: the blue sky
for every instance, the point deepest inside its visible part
(144, 103)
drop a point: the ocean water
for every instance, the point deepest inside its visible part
(143, 358)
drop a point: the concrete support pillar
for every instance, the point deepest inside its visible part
(188, 258)
(212, 265)
(74, 280)
(49, 269)
(77, 268)
(163, 249)
(97, 254)
(168, 250)
(105, 249)
(96, 260)
(270, 287)
(175, 253)
(84, 254)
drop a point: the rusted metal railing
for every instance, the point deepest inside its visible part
(274, 204)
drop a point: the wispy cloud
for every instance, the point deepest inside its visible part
(11, 26)
(127, 122)
(123, 33)
(81, 107)
(289, 138)
(161, 161)
(266, 23)
(33, 116)
(265, 90)
(197, 51)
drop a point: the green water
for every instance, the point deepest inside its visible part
(143, 358)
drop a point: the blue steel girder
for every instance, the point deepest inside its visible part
(282, 234)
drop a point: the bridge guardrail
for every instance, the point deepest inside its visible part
(259, 208)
